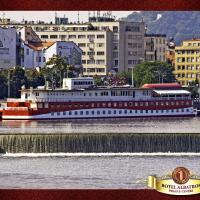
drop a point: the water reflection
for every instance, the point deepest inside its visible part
(145, 125)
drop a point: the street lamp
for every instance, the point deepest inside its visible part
(132, 78)
(8, 83)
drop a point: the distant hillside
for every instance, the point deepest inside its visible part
(177, 24)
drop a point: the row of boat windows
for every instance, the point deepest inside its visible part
(117, 104)
(105, 112)
(103, 93)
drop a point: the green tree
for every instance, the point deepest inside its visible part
(34, 78)
(57, 68)
(17, 79)
(153, 72)
(3, 86)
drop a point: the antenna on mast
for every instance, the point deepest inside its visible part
(98, 14)
(78, 18)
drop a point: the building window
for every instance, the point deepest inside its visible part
(100, 44)
(116, 62)
(82, 44)
(100, 36)
(100, 62)
(100, 53)
(72, 36)
(91, 36)
(115, 29)
(44, 36)
(81, 36)
(90, 61)
(53, 36)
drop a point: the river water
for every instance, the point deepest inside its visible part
(82, 170)
(144, 125)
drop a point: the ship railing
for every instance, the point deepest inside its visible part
(171, 98)
(14, 100)
(16, 108)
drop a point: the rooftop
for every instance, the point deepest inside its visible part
(38, 46)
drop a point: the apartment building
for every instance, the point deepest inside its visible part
(107, 44)
(8, 47)
(155, 47)
(187, 62)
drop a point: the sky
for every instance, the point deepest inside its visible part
(48, 16)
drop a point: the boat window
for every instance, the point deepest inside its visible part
(40, 105)
(70, 113)
(114, 111)
(87, 112)
(92, 112)
(104, 112)
(98, 112)
(141, 111)
(64, 113)
(52, 113)
(58, 113)
(130, 111)
(109, 112)
(104, 104)
(81, 112)
(125, 111)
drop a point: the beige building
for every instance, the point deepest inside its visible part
(155, 47)
(187, 62)
(107, 44)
